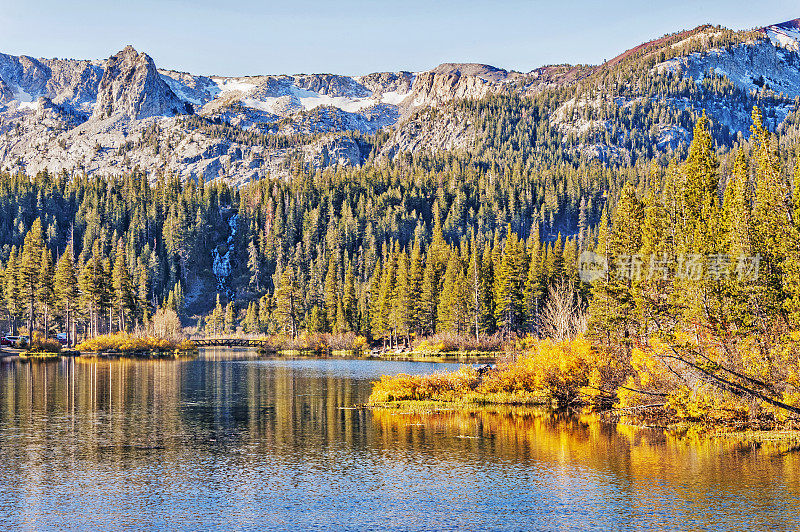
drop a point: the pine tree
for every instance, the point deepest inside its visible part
(107, 293)
(736, 208)
(612, 306)
(583, 225)
(429, 299)
(92, 285)
(350, 301)
(374, 301)
(402, 312)
(534, 286)
(13, 295)
(509, 285)
(447, 299)
(123, 294)
(791, 262)
(29, 268)
(250, 324)
(142, 293)
(331, 293)
(288, 309)
(382, 326)
(414, 291)
(66, 292)
(771, 216)
(474, 286)
(45, 294)
(488, 324)
(701, 209)
(230, 318)
(217, 319)
(264, 313)
(340, 324)
(254, 266)
(317, 320)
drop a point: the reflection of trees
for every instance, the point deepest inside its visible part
(137, 425)
(272, 407)
(647, 466)
(99, 402)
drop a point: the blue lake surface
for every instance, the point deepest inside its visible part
(228, 441)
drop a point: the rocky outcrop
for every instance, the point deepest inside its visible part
(332, 85)
(5, 92)
(132, 87)
(435, 88)
(752, 66)
(429, 130)
(478, 70)
(334, 151)
(64, 81)
(381, 82)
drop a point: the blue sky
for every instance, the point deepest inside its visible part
(355, 37)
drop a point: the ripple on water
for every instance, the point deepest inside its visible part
(230, 442)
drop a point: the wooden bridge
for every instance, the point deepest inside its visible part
(231, 342)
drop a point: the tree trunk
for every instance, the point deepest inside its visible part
(46, 320)
(30, 317)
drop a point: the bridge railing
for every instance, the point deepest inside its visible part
(230, 342)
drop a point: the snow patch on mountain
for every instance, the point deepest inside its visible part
(394, 97)
(225, 85)
(785, 35)
(26, 100)
(181, 91)
(749, 66)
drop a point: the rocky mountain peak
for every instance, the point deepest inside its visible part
(132, 87)
(486, 72)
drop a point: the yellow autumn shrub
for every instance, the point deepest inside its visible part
(436, 387)
(561, 372)
(128, 343)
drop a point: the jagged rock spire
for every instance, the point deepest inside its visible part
(131, 87)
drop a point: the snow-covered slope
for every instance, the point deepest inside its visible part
(786, 34)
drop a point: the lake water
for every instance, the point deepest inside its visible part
(231, 442)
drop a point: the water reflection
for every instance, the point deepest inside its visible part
(229, 441)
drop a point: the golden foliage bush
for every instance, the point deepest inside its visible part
(701, 379)
(562, 372)
(128, 343)
(360, 344)
(679, 379)
(44, 345)
(436, 387)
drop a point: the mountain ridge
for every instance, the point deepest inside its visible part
(99, 116)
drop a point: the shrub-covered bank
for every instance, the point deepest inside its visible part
(129, 343)
(650, 384)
